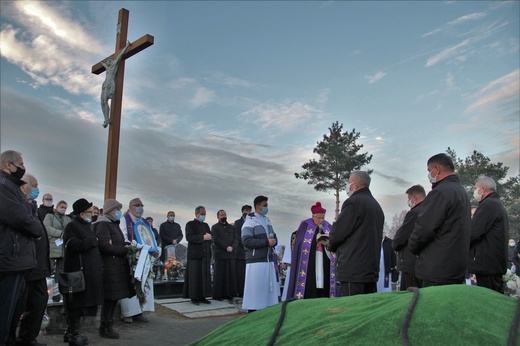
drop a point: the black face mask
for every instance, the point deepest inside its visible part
(223, 220)
(19, 173)
(94, 218)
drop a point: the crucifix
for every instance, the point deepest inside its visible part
(113, 89)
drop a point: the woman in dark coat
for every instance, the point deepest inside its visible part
(115, 270)
(80, 240)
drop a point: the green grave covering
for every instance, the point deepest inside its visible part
(444, 315)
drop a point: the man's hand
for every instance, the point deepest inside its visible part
(272, 242)
(174, 242)
(229, 249)
(207, 236)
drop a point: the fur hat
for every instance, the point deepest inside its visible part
(111, 204)
(81, 205)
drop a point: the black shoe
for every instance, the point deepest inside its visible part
(205, 301)
(219, 299)
(195, 301)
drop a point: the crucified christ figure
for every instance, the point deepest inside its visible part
(109, 85)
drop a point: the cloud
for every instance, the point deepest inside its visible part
(376, 77)
(223, 79)
(284, 117)
(201, 97)
(503, 89)
(460, 20)
(448, 53)
(396, 179)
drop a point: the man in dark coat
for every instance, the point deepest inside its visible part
(440, 237)
(225, 244)
(356, 238)
(18, 230)
(170, 232)
(33, 300)
(406, 260)
(197, 279)
(240, 259)
(489, 234)
(47, 206)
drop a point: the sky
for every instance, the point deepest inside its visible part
(233, 96)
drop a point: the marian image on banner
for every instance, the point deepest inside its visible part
(144, 236)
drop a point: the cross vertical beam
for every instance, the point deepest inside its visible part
(115, 111)
(117, 100)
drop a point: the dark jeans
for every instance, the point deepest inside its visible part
(355, 288)
(408, 280)
(32, 304)
(492, 282)
(11, 286)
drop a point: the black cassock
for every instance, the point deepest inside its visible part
(197, 278)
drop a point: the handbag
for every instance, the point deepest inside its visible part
(71, 282)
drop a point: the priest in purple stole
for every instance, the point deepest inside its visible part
(312, 266)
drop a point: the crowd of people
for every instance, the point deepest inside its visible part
(439, 243)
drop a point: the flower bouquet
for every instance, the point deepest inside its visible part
(133, 254)
(511, 284)
(172, 267)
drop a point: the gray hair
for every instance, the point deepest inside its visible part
(9, 156)
(132, 201)
(362, 178)
(487, 182)
(197, 210)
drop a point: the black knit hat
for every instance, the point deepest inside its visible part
(81, 205)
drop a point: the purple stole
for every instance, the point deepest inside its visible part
(301, 274)
(130, 226)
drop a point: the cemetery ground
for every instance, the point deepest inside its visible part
(165, 326)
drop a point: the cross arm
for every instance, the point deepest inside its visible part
(134, 48)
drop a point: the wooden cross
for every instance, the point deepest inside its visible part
(116, 103)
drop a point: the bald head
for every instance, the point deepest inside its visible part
(30, 184)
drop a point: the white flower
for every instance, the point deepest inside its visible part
(511, 285)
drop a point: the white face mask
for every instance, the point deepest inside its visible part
(349, 193)
(432, 180)
(47, 203)
(477, 197)
(411, 204)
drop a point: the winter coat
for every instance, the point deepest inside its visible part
(55, 224)
(223, 235)
(43, 264)
(80, 240)
(256, 239)
(441, 233)
(18, 227)
(43, 211)
(356, 238)
(489, 238)
(115, 270)
(406, 260)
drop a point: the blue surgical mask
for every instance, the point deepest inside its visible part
(172, 218)
(139, 211)
(118, 214)
(34, 193)
(88, 220)
(202, 218)
(264, 211)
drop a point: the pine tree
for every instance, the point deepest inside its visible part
(338, 158)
